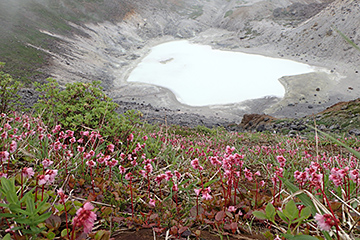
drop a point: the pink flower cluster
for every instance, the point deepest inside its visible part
(311, 176)
(85, 218)
(338, 175)
(326, 221)
(195, 164)
(205, 193)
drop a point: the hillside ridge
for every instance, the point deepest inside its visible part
(104, 40)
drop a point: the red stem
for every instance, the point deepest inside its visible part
(66, 217)
(92, 181)
(73, 232)
(22, 186)
(42, 193)
(132, 202)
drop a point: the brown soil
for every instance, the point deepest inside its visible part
(147, 234)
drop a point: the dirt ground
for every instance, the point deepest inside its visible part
(148, 234)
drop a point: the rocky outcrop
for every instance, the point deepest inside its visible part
(256, 122)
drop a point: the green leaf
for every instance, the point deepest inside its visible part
(27, 195)
(270, 212)
(64, 232)
(43, 207)
(8, 186)
(50, 235)
(356, 153)
(210, 182)
(7, 215)
(305, 212)
(23, 220)
(7, 237)
(4, 205)
(259, 215)
(347, 39)
(299, 237)
(282, 216)
(41, 218)
(291, 211)
(59, 207)
(30, 206)
(17, 209)
(102, 235)
(303, 197)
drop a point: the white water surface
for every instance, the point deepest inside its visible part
(199, 75)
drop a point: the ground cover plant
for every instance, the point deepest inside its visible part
(171, 179)
(79, 181)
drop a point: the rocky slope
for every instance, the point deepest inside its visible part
(104, 40)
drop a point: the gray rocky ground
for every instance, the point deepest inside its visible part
(300, 30)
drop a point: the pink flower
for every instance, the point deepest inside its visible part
(43, 179)
(122, 169)
(52, 174)
(197, 191)
(13, 146)
(134, 163)
(85, 218)
(26, 126)
(57, 145)
(62, 135)
(85, 133)
(148, 168)
(69, 133)
(262, 183)
(128, 176)
(92, 153)
(229, 150)
(41, 136)
(248, 174)
(281, 160)
(112, 163)
(4, 156)
(62, 195)
(4, 135)
(325, 222)
(159, 178)
(56, 129)
(214, 161)
(130, 138)
(91, 163)
(175, 188)
(47, 163)
(152, 202)
(80, 149)
(354, 174)
(195, 164)
(9, 230)
(231, 209)
(27, 172)
(169, 175)
(206, 194)
(111, 147)
(3, 175)
(143, 173)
